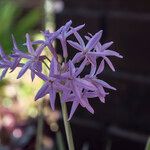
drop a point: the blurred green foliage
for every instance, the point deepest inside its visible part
(13, 20)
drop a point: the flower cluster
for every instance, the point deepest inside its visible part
(64, 77)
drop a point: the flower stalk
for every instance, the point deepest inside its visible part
(67, 127)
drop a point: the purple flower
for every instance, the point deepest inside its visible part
(66, 33)
(65, 77)
(104, 52)
(6, 63)
(51, 85)
(34, 59)
(85, 51)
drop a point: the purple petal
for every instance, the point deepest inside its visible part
(85, 84)
(67, 26)
(106, 45)
(101, 67)
(104, 84)
(41, 75)
(37, 65)
(29, 44)
(78, 57)
(14, 43)
(32, 75)
(52, 49)
(43, 91)
(53, 67)
(93, 41)
(64, 47)
(2, 54)
(52, 93)
(24, 69)
(109, 63)
(82, 66)
(88, 106)
(79, 38)
(73, 108)
(39, 50)
(93, 70)
(3, 74)
(71, 68)
(75, 45)
(75, 29)
(15, 64)
(112, 53)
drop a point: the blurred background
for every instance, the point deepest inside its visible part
(123, 122)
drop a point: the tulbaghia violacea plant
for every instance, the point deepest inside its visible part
(65, 78)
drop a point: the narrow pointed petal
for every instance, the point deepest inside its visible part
(85, 84)
(73, 108)
(24, 69)
(82, 66)
(89, 107)
(37, 66)
(3, 74)
(104, 84)
(43, 91)
(93, 41)
(109, 63)
(14, 43)
(41, 75)
(64, 47)
(52, 49)
(93, 70)
(32, 75)
(67, 26)
(39, 50)
(53, 67)
(29, 44)
(112, 53)
(71, 68)
(75, 29)
(106, 45)
(75, 45)
(52, 93)
(101, 67)
(2, 54)
(79, 38)
(15, 64)
(78, 57)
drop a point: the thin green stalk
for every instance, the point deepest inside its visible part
(39, 136)
(67, 127)
(148, 144)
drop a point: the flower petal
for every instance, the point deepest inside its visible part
(101, 67)
(29, 44)
(52, 93)
(73, 108)
(93, 41)
(3, 74)
(109, 63)
(75, 45)
(42, 91)
(24, 69)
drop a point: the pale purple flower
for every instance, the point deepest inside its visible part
(103, 51)
(51, 85)
(66, 77)
(65, 33)
(34, 59)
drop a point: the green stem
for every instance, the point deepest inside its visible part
(148, 144)
(67, 127)
(39, 127)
